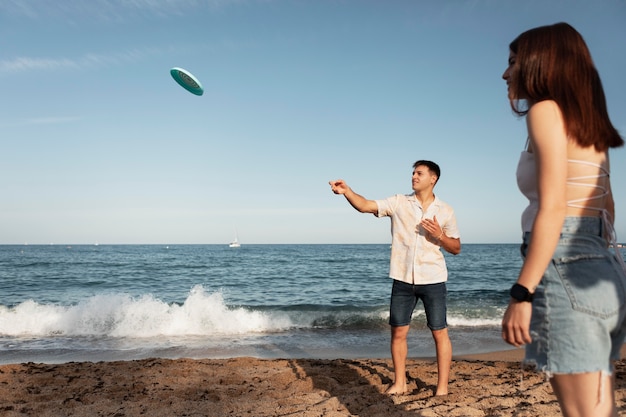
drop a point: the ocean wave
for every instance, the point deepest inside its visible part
(202, 313)
(119, 315)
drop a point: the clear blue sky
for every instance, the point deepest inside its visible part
(99, 144)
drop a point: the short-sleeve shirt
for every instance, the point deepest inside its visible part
(414, 259)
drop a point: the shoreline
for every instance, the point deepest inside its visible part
(296, 344)
(486, 384)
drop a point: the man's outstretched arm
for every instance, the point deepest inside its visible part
(357, 201)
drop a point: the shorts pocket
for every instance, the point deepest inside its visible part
(592, 284)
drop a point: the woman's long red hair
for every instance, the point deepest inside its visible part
(554, 63)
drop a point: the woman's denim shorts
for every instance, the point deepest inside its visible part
(578, 311)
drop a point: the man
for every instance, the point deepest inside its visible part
(421, 224)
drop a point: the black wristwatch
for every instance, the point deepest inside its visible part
(521, 293)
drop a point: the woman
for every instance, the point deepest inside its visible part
(568, 304)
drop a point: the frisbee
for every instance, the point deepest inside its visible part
(186, 80)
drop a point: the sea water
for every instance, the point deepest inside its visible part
(63, 303)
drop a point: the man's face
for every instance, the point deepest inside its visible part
(422, 178)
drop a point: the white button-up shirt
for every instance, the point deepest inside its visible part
(414, 259)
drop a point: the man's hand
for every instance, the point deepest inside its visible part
(339, 186)
(432, 226)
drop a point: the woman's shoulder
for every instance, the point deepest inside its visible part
(545, 108)
(545, 124)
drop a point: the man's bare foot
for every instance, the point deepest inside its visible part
(441, 393)
(396, 389)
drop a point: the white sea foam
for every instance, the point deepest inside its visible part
(119, 315)
(459, 321)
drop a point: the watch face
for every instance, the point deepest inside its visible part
(520, 293)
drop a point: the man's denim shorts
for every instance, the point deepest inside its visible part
(578, 312)
(404, 298)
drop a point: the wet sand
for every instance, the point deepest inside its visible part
(490, 384)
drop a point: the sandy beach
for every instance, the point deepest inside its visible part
(481, 385)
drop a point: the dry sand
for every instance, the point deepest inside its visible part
(480, 385)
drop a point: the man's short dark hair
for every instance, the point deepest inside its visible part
(432, 167)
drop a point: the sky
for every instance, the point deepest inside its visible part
(100, 145)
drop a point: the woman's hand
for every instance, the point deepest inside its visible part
(516, 323)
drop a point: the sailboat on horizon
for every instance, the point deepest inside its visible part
(235, 243)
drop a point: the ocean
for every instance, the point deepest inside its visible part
(62, 303)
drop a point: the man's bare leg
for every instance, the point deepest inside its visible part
(444, 360)
(399, 351)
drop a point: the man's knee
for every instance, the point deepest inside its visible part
(399, 332)
(440, 335)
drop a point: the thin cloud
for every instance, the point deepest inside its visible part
(50, 120)
(27, 64)
(91, 60)
(105, 9)
(37, 121)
